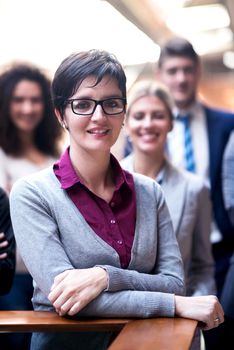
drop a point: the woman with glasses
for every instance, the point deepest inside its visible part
(89, 224)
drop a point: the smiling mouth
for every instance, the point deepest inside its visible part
(149, 137)
(98, 132)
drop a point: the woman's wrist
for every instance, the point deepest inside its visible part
(103, 277)
(178, 307)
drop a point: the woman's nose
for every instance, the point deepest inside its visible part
(147, 122)
(27, 106)
(98, 113)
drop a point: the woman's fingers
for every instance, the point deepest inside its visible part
(3, 242)
(75, 309)
(67, 306)
(3, 256)
(73, 304)
(205, 309)
(59, 278)
(55, 293)
(74, 289)
(2, 235)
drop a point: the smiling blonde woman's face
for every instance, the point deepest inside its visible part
(148, 124)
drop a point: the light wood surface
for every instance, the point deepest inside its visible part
(156, 334)
(144, 334)
(43, 321)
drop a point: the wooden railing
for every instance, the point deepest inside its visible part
(147, 334)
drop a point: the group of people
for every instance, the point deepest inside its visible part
(84, 224)
(199, 143)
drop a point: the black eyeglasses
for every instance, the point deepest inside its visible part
(87, 106)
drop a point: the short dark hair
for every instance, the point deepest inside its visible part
(77, 67)
(48, 131)
(177, 46)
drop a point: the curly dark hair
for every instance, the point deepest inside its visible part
(48, 132)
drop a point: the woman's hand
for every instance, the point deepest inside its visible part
(3, 244)
(205, 309)
(72, 290)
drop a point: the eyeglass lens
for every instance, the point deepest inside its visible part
(88, 106)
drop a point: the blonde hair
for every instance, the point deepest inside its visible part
(146, 88)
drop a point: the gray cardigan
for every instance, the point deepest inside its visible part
(53, 236)
(189, 205)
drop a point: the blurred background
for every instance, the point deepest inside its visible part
(46, 31)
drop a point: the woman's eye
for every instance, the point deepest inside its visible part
(82, 104)
(158, 116)
(138, 116)
(111, 104)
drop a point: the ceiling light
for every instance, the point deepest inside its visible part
(228, 59)
(198, 18)
(211, 41)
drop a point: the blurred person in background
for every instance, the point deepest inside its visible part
(29, 141)
(7, 246)
(197, 143)
(227, 297)
(228, 177)
(149, 119)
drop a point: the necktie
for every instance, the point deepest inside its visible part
(188, 146)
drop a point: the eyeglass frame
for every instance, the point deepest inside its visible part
(97, 102)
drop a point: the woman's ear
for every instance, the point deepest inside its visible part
(126, 131)
(171, 125)
(60, 119)
(58, 115)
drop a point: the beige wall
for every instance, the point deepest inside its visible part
(218, 91)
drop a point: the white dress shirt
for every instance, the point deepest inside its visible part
(199, 134)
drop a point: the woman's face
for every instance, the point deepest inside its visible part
(98, 131)
(26, 105)
(148, 123)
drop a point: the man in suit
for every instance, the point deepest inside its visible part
(7, 246)
(201, 142)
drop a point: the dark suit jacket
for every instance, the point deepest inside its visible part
(227, 298)
(7, 266)
(219, 126)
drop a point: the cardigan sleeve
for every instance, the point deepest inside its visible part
(201, 270)
(131, 303)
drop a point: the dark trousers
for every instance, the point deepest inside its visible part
(220, 338)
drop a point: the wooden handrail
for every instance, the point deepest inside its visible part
(44, 321)
(158, 333)
(147, 334)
